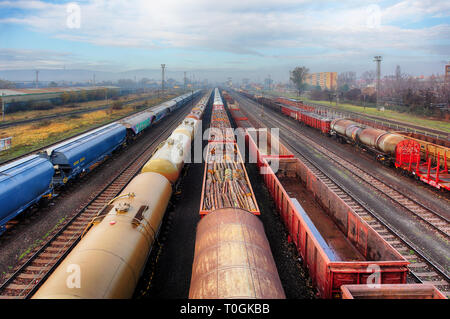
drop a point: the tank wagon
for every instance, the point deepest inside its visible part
(338, 247)
(112, 254)
(230, 231)
(27, 180)
(397, 149)
(221, 268)
(168, 159)
(378, 141)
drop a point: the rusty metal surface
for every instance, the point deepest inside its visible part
(411, 291)
(340, 125)
(369, 136)
(233, 258)
(388, 142)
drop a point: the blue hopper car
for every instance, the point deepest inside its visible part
(23, 183)
(77, 155)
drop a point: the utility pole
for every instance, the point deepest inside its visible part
(94, 79)
(37, 78)
(163, 67)
(378, 59)
(3, 106)
(185, 81)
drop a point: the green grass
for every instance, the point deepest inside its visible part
(30, 137)
(39, 241)
(387, 114)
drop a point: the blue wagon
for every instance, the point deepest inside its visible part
(77, 155)
(160, 112)
(23, 183)
(179, 101)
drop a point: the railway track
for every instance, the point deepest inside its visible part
(25, 281)
(392, 124)
(80, 111)
(438, 222)
(422, 268)
(65, 139)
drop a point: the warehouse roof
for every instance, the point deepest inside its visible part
(11, 92)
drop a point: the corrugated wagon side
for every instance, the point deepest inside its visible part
(80, 154)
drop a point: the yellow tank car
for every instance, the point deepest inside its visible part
(187, 127)
(110, 258)
(168, 160)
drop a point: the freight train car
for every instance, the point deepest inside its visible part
(383, 144)
(113, 252)
(79, 154)
(222, 268)
(428, 150)
(317, 121)
(337, 245)
(410, 291)
(229, 231)
(35, 173)
(391, 148)
(70, 159)
(295, 103)
(137, 123)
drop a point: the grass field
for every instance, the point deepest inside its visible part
(387, 114)
(29, 137)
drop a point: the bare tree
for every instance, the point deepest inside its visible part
(368, 76)
(347, 78)
(298, 77)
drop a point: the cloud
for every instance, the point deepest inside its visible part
(16, 59)
(252, 28)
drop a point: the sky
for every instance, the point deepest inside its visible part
(221, 39)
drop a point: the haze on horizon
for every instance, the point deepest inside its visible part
(217, 40)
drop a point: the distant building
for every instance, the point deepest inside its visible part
(44, 94)
(326, 80)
